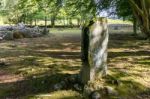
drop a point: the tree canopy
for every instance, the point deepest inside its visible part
(80, 9)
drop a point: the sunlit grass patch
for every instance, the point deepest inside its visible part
(45, 61)
(64, 94)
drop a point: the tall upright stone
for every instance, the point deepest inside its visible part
(94, 50)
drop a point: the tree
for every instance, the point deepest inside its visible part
(138, 9)
(141, 10)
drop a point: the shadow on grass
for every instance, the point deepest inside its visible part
(61, 54)
(43, 82)
(32, 86)
(129, 53)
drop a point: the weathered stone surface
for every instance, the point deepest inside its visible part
(95, 95)
(95, 54)
(60, 85)
(20, 31)
(2, 64)
(77, 87)
(110, 90)
(73, 78)
(8, 35)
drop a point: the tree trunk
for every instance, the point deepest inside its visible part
(134, 26)
(53, 21)
(70, 22)
(141, 10)
(45, 22)
(35, 22)
(94, 50)
(30, 21)
(78, 22)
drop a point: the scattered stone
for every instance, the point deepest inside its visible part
(73, 78)
(7, 35)
(63, 83)
(77, 87)
(34, 77)
(116, 28)
(87, 90)
(95, 95)
(2, 64)
(110, 90)
(1, 38)
(60, 85)
(13, 45)
(116, 82)
(20, 31)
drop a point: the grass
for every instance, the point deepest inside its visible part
(3, 21)
(36, 64)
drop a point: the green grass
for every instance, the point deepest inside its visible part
(36, 64)
(3, 21)
(117, 21)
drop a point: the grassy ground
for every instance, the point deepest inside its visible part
(33, 65)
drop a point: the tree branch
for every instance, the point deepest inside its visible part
(135, 6)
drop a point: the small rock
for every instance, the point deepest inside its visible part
(77, 87)
(116, 82)
(95, 95)
(63, 83)
(34, 77)
(1, 38)
(58, 86)
(13, 45)
(2, 64)
(110, 91)
(42, 82)
(87, 90)
(73, 78)
(8, 35)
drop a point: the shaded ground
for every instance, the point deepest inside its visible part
(30, 67)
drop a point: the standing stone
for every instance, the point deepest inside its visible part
(94, 50)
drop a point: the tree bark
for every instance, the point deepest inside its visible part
(35, 22)
(141, 10)
(53, 21)
(94, 50)
(45, 22)
(134, 26)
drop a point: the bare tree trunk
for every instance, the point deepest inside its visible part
(53, 21)
(94, 50)
(45, 22)
(35, 22)
(134, 26)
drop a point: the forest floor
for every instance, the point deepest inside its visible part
(30, 67)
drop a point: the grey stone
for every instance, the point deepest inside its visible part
(63, 83)
(110, 90)
(73, 79)
(95, 95)
(77, 87)
(87, 90)
(58, 86)
(9, 35)
(2, 64)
